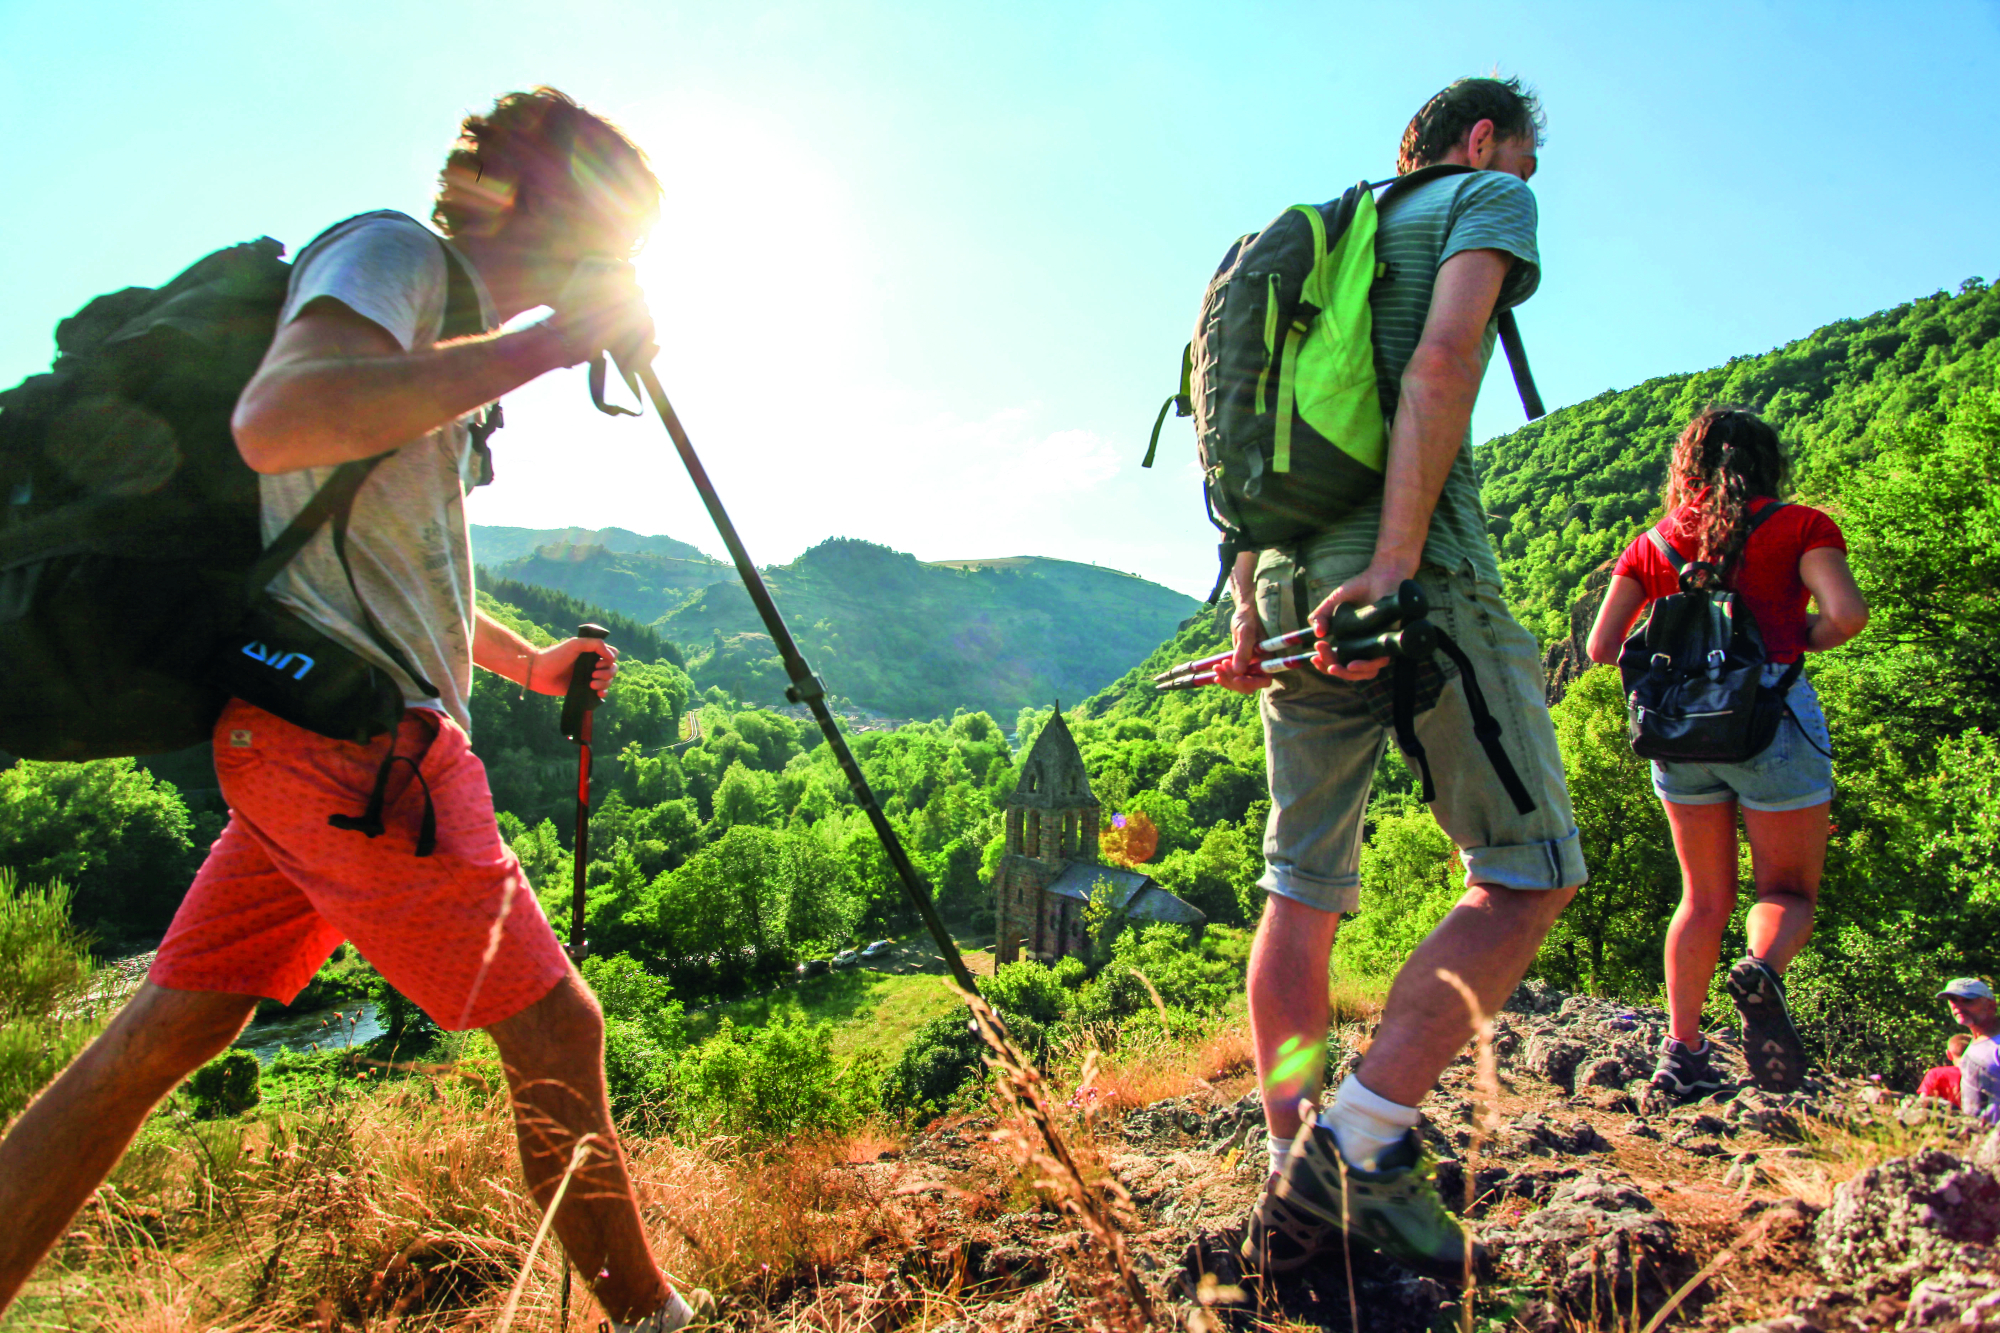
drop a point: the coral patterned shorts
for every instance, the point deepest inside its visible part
(458, 931)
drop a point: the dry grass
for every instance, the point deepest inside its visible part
(1148, 1071)
(403, 1209)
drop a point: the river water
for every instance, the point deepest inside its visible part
(300, 1032)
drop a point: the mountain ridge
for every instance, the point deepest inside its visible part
(897, 635)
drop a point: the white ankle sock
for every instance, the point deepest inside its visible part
(675, 1314)
(1280, 1150)
(1366, 1124)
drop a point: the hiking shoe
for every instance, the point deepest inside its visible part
(1394, 1210)
(1771, 1045)
(1684, 1072)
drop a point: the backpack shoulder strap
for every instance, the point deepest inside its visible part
(1674, 557)
(1757, 519)
(1510, 331)
(1517, 362)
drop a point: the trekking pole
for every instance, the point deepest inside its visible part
(578, 704)
(806, 687)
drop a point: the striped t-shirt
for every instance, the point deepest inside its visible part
(1484, 210)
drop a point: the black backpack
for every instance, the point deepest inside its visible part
(130, 543)
(1694, 672)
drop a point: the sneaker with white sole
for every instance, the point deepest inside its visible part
(1771, 1045)
(1685, 1072)
(1395, 1210)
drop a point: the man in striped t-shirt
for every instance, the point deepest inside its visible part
(1457, 251)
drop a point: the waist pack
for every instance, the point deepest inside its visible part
(1280, 376)
(1694, 671)
(132, 570)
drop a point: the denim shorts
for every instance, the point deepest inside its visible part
(1322, 738)
(1794, 771)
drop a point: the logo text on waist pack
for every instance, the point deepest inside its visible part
(278, 661)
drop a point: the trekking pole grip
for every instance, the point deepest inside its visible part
(1407, 603)
(582, 699)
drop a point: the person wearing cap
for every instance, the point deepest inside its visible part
(1972, 1005)
(1943, 1082)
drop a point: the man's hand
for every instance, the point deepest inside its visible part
(1370, 585)
(550, 670)
(1239, 671)
(601, 309)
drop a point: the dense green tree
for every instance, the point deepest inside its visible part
(1610, 937)
(118, 836)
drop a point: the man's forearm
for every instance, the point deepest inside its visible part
(1243, 582)
(1438, 391)
(327, 410)
(500, 650)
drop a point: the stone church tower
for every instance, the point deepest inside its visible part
(1052, 823)
(1051, 869)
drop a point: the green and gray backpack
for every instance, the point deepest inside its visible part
(1280, 377)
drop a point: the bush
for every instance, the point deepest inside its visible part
(644, 1032)
(118, 836)
(766, 1083)
(45, 975)
(1034, 991)
(226, 1085)
(403, 1022)
(946, 1056)
(1188, 975)
(1862, 1000)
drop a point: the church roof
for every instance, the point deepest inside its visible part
(1134, 894)
(1052, 776)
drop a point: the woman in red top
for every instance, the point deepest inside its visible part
(1725, 472)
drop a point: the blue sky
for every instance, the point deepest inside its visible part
(926, 269)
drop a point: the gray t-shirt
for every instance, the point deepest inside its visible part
(406, 542)
(1418, 232)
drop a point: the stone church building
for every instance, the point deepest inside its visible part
(1051, 864)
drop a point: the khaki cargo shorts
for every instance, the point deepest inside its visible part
(1323, 738)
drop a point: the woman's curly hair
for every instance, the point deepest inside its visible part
(1723, 460)
(540, 155)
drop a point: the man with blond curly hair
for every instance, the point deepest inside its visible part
(381, 354)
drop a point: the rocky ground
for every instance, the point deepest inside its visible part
(1601, 1205)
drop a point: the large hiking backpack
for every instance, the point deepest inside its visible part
(1280, 376)
(1694, 672)
(130, 539)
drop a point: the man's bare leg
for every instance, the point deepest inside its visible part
(1488, 939)
(69, 1138)
(1288, 1006)
(554, 1054)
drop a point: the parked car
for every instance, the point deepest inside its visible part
(846, 958)
(815, 967)
(878, 949)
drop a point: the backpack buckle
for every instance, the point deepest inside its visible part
(1661, 662)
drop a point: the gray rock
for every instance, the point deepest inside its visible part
(1596, 1242)
(1608, 1072)
(1911, 1215)
(1538, 1134)
(1960, 1302)
(1555, 1059)
(1534, 996)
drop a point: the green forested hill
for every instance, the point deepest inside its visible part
(495, 546)
(1567, 492)
(644, 585)
(886, 630)
(913, 639)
